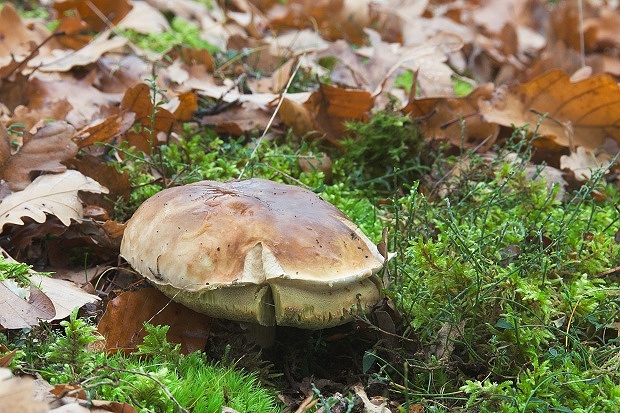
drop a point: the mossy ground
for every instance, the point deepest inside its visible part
(504, 288)
(501, 280)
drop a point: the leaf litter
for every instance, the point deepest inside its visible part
(90, 82)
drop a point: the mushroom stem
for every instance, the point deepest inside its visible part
(264, 336)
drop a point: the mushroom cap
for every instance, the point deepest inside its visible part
(254, 250)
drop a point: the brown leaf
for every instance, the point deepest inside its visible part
(238, 120)
(146, 19)
(104, 130)
(14, 35)
(65, 60)
(15, 312)
(107, 175)
(98, 14)
(74, 30)
(5, 144)
(192, 56)
(138, 100)
(455, 120)
(333, 106)
(583, 113)
(33, 116)
(48, 194)
(582, 163)
(64, 295)
(61, 390)
(87, 102)
(185, 106)
(296, 116)
(122, 323)
(340, 19)
(42, 152)
(15, 91)
(17, 394)
(7, 357)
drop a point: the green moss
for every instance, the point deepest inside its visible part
(515, 270)
(182, 33)
(156, 378)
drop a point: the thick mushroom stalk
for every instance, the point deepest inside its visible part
(254, 251)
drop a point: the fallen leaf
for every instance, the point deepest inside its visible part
(48, 194)
(65, 60)
(122, 324)
(145, 19)
(87, 102)
(98, 14)
(42, 152)
(454, 120)
(104, 130)
(296, 116)
(342, 19)
(577, 114)
(17, 394)
(333, 106)
(7, 356)
(376, 405)
(238, 120)
(15, 37)
(582, 163)
(5, 144)
(16, 312)
(64, 295)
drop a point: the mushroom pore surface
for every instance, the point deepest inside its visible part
(254, 250)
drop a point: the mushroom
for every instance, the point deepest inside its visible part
(254, 251)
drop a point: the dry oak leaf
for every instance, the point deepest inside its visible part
(583, 163)
(582, 113)
(42, 152)
(455, 120)
(15, 36)
(48, 194)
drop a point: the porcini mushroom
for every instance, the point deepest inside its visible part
(255, 251)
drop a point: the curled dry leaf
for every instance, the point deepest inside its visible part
(64, 295)
(48, 194)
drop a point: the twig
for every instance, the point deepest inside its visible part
(273, 116)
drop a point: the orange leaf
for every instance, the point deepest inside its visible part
(296, 116)
(188, 103)
(137, 99)
(98, 14)
(580, 113)
(333, 106)
(122, 323)
(443, 118)
(104, 130)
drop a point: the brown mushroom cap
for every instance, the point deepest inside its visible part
(254, 250)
